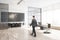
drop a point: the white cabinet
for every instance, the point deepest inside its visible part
(3, 8)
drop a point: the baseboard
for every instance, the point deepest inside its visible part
(56, 27)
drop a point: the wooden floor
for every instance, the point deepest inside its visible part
(19, 33)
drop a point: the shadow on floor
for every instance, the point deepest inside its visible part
(4, 26)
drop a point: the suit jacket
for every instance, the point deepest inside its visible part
(34, 22)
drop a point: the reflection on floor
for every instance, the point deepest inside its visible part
(21, 33)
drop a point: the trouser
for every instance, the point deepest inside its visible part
(33, 30)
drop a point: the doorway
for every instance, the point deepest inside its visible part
(33, 11)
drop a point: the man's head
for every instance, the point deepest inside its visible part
(33, 17)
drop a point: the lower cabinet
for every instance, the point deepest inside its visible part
(14, 24)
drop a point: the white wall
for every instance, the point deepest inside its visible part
(49, 10)
(51, 14)
(13, 7)
(49, 7)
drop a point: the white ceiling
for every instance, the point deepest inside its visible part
(42, 3)
(37, 3)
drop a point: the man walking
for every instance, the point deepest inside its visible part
(33, 24)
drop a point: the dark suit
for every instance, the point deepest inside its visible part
(34, 24)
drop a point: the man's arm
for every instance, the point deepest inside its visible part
(31, 23)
